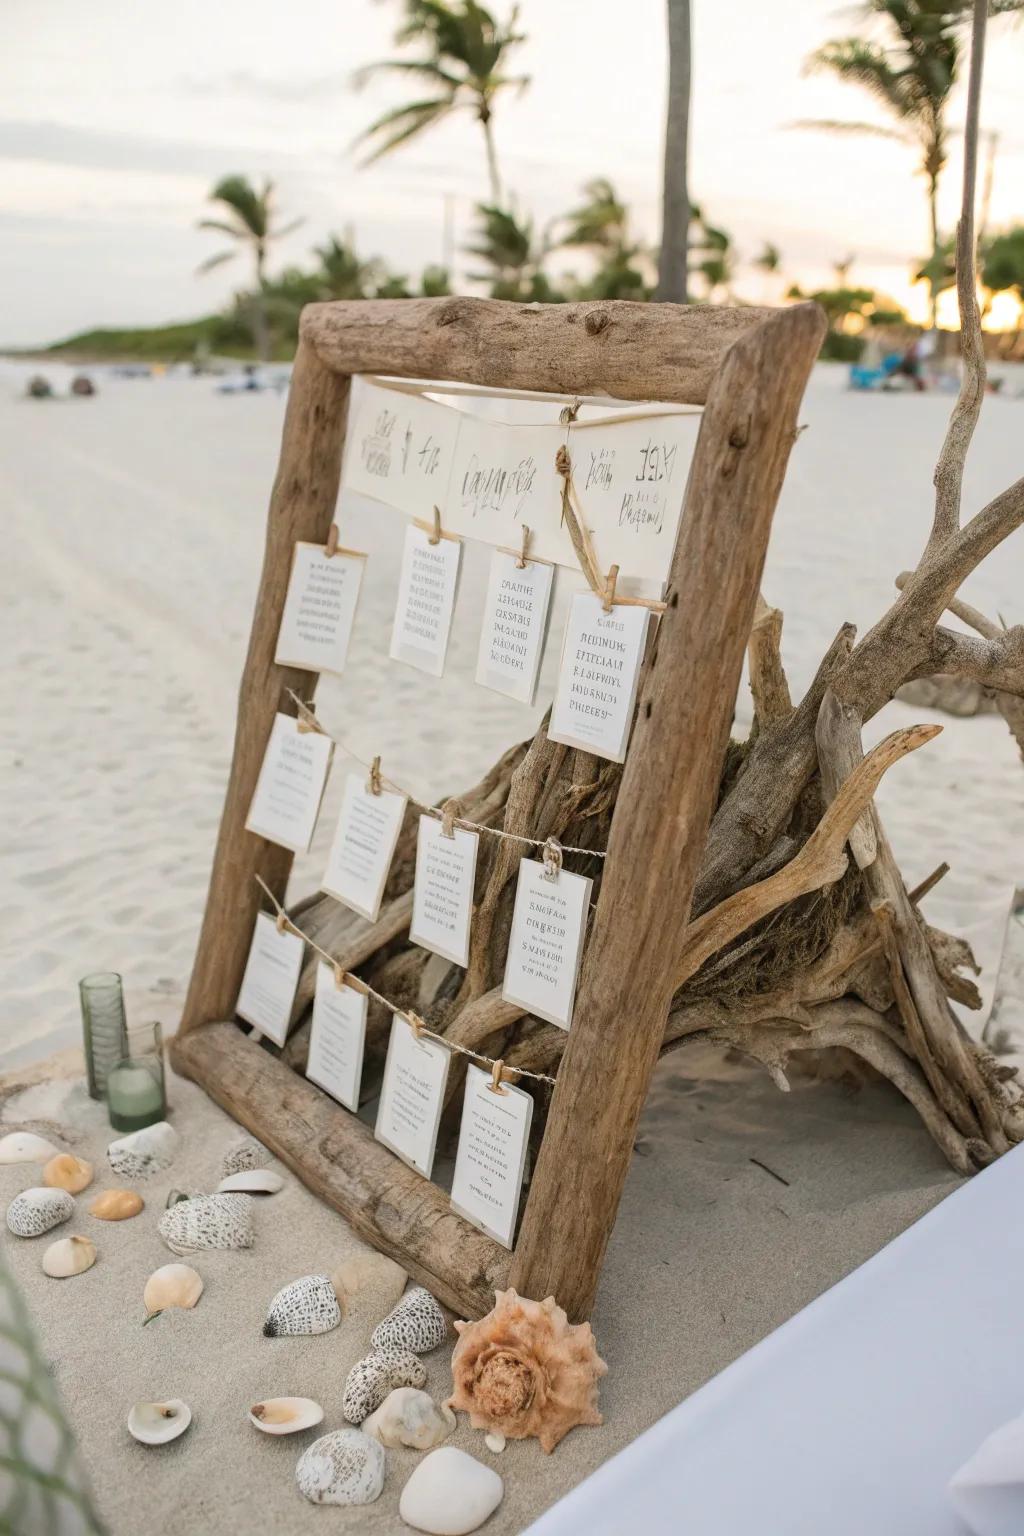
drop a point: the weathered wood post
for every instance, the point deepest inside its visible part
(301, 507)
(668, 792)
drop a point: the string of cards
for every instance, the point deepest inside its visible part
(488, 480)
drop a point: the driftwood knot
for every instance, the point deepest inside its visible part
(739, 437)
(596, 322)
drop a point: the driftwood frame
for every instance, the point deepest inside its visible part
(748, 368)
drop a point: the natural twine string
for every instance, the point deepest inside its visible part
(499, 1071)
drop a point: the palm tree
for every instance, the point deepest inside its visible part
(910, 68)
(252, 225)
(601, 224)
(675, 198)
(513, 255)
(463, 65)
(715, 248)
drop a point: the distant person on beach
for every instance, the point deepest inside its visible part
(912, 362)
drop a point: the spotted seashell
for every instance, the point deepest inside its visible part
(372, 1378)
(208, 1221)
(35, 1211)
(308, 1305)
(416, 1324)
(344, 1467)
(144, 1152)
(245, 1155)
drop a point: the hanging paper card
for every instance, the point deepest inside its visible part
(515, 623)
(598, 676)
(546, 942)
(364, 842)
(412, 1096)
(336, 1038)
(399, 448)
(291, 785)
(271, 977)
(502, 477)
(426, 601)
(319, 609)
(442, 900)
(491, 1159)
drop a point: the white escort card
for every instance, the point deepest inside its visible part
(412, 1096)
(515, 623)
(336, 1038)
(364, 842)
(271, 977)
(491, 1159)
(546, 942)
(426, 600)
(399, 447)
(598, 676)
(316, 625)
(291, 785)
(442, 900)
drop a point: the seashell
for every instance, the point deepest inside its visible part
(495, 1442)
(285, 1415)
(35, 1211)
(208, 1221)
(410, 1417)
(450, 1493)
(172, 1285)
(25, 1147)
(308, 1305)
(247, 1154)
(372, 1378)
(524, 1370)
(368, 1285)
(344, 1467)
(251, 1181)
(116, 1205)
(175, 1196)
(67, 1172)
(144, 1152)
(69, 1256)
(416, 1324)
(156, 1423)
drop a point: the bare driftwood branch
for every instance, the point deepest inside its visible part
(768, 683)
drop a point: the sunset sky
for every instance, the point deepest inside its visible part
(116, 117)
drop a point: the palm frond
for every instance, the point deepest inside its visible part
(216, 261)
(839, 125)
(402, 123)
(223, 227)
(426, 67)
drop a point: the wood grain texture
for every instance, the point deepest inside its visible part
(669, 789)
(334, 1154)
(627, 351)
(301, 507)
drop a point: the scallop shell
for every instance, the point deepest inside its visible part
(144, 1152)
(308, 1305)
(156, 1423)
(372, 1378)
(116, 1205)
(25, 1147)
(67, 1172)
(35, 1211)
(251, 1181)
(208, 1221)
(416, 1324)
(172, 1285)
(247, 1154)
(285, 1415)
(69, 1256)
(344, 1467)
(410, 1417)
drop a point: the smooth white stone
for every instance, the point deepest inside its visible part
(450, 1493)
(495, 1442)
(410, 1417)
(26, 1147)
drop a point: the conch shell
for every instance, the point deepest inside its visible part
(524, 1370)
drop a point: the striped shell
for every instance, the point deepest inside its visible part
(307, 1306)
(35, 1211)
(372, 1378)
(208, 1221)
(416, 1324)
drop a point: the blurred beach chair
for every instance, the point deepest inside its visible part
(865, 376)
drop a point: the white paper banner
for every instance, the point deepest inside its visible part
(398, 448)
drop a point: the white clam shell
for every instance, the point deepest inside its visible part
(172, 1285)
(305, 1306)
(144, 1152)
(246, 1154)
(156, 1423)
(410, 1417)
(69, 1256)
(372, 1378)
(416, 1324)
(35, 1211)
(344, 1467)
(450, 1493)
(251, 1181)
(26, 1147)
(208, 1221)
(285, 1415)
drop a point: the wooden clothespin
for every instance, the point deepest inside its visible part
(416, 1024)
(353, 982)
(521, 561)
(339, 976)
(331, 547)
(499, 1075)
(450, 812)
(552, 857)
(608, 601)
(283, 925)
(374, 786)
(567, 415)
(435, 537)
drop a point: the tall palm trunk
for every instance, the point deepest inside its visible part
(675, 203)
(933, 214)
(260, 330)
(492, 154)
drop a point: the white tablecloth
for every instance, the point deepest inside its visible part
(851, 1418)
